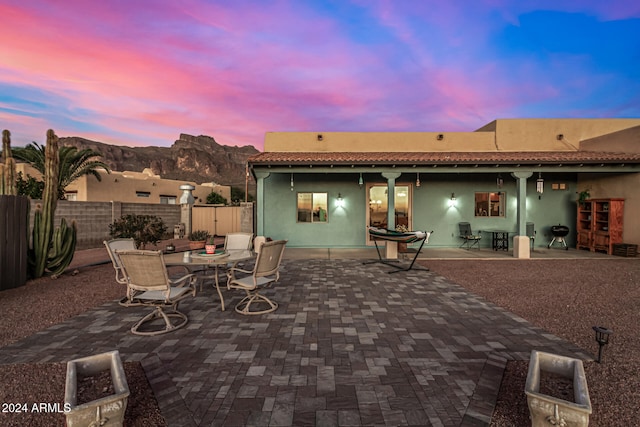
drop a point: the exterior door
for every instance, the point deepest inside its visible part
(377, 214)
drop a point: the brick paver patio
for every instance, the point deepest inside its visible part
(349, 345)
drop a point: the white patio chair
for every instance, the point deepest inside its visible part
(265, 272)
(149, 284)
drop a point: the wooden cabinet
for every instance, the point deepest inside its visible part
(600, 224)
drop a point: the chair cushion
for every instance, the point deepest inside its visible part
(247, 282)
(159, 295)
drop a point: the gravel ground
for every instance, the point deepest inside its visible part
(565, 297)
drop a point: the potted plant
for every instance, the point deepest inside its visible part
(583, 195)
(210, 245)
(197, 239)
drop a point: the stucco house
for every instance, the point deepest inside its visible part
(323, 189)
(132, 187)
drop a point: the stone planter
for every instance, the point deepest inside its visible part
(546, 410)
(107, 411)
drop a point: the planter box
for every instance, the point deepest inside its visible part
(548, 410)
(107, 411)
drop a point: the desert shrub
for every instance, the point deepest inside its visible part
(143, 229)
(215, 199)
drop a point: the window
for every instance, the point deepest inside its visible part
(71, 196)
(312, 207)
(490, 204)
(168, 200)
(143, 194)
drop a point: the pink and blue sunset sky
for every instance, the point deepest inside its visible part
(134, 72)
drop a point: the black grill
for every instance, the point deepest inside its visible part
(559, 233)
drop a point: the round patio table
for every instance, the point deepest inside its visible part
(225, 259)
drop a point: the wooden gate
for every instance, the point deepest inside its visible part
(14, 223)
(217, 220)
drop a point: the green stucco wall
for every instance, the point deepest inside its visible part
(346, 227)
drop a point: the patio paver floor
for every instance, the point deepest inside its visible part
(349, 345)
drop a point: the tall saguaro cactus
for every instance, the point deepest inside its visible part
(8, 178)
(43, 219)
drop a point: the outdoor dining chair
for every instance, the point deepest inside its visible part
(468, 238)
(149, 285)
(238, 241)
(113, 246)
(265, 272)
(118, 245)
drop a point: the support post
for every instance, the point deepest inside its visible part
(521, 248)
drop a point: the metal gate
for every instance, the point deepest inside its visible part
(217, 220)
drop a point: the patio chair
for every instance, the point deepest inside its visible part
(149, 284)
(469, 239)
(113, 246)
(531, 233)
(238, 241)
(265, 272)
(117, 245)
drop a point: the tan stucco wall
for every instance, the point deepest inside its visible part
(377, 141)
(542, 134)
(499, 135)
(623, 186)
(624, 141)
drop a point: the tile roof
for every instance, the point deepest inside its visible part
(443, 158)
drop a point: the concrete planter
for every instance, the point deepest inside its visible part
(548, 410)
(107, 411)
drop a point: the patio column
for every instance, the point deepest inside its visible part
(391, 248)
(521, 240)
(260, 177)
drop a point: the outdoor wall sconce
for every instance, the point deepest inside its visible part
(418, 180)
(560, 137)
(291, 182)
(540, 185)
(320, 137)
(453, 201)
(339, 201)
(360, 180)
(499, 181)
(440, 137)
(602, 337)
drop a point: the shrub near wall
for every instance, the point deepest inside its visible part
(93, 218)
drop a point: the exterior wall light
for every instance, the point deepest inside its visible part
(339, 201)
(360, 180)
(291, 182)
(418, 180)
(453, 201)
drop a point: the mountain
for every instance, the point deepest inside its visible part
(190, 158)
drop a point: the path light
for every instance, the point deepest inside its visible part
(602, 337)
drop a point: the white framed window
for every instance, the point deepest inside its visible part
(168, 200)
(490, 204)
(312, 207)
